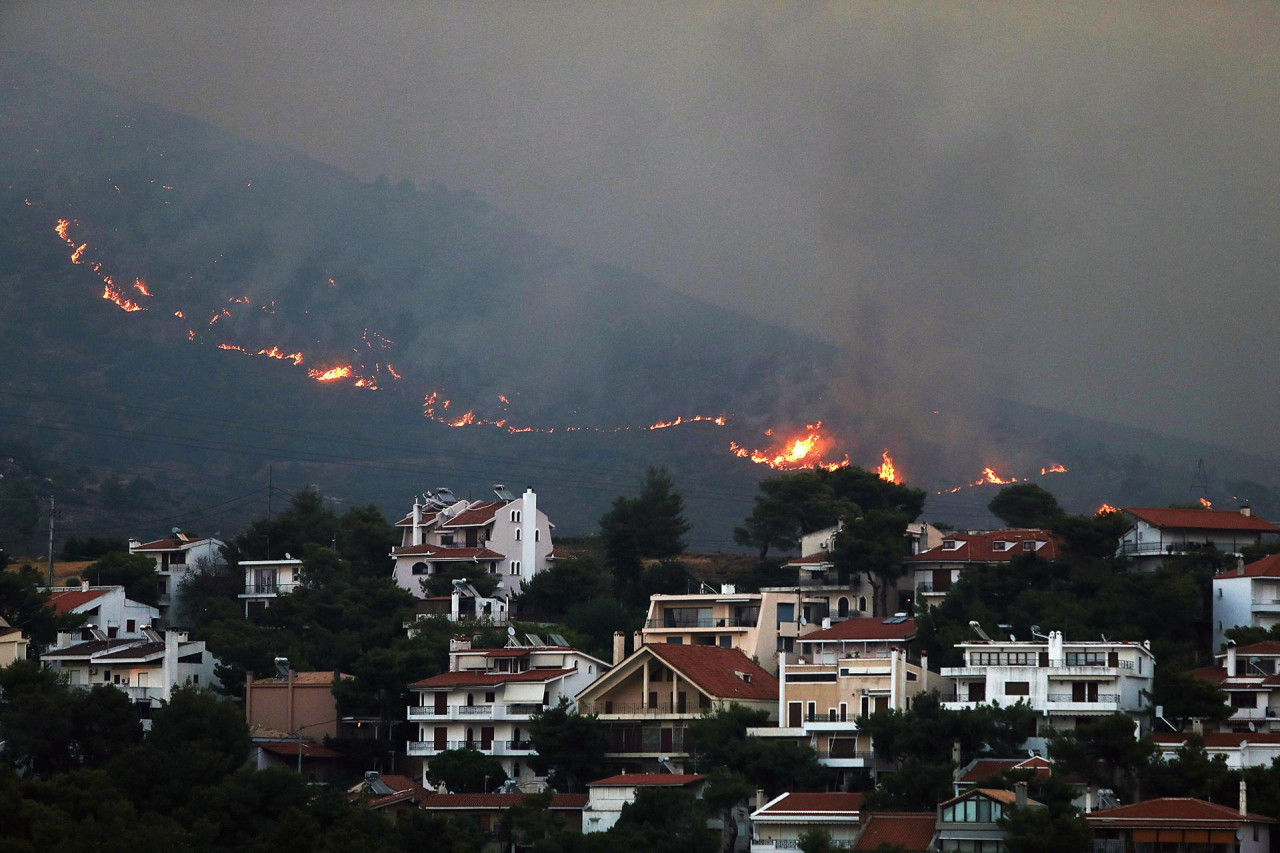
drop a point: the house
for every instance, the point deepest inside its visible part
(1246, 595)
(934, 571)
(911, 831)
(486, 811)
(146, 668)
(980, 770)
(509, 538)
(317, 763)
(1157, 533)
(1238, 749)
(174, 558)
(1180, 823)
(487, 699)
(1250, 676)
(105, 608)
(388, 794)
(1064, 682)
(758, 624)
(648, 699)
(293, 702)
(264, 580)
(971, 821)
(463, 604)
(779, 823)
(13, 644)
(606, 797)
(853, 668)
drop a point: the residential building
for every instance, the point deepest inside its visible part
(265, 580)
(1238, 749)
(934, 571)
(174, 558)
(606, 797)
(388, 794)
(648, 699)
(146, 668)
(913, 832)
(1157, 533)
(1250, 676)
(488, 697)
(1064, 682)
(300, 704)
(1246, 595)
(779, 823)
(13, 644)
(980, 770)
(509, 538)
(1183, 824)
(758, 624)
(105, 608)
(319, 764)
(486, 811)
(463, 604)
(970, 823)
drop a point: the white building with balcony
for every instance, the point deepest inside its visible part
(1250, 676)
(779, 823)
(174, 558)
(1247, 595)
(1157, 533)
(487, 698)
(1064, 682)
(105, 608)
(266, 580)
(509, 538)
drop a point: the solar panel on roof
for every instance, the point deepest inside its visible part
(558, 639)
(534, 640)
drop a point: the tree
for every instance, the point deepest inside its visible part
(816, 840)
(725, 789)
(914, 786)
(1184, 696)
(570, 746)
(550, 593)
(441, 583)
(135, 572)
(1025, 505)
(663, 820)
(720, 739)
(649, 526)
(206, 737)
(1043, 830)
(24, 604)
(597, 620)
(1105, 751)
(466, 771)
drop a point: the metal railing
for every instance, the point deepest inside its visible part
(712, 622)
(641, 708)
(1101, 698)
(269, 588)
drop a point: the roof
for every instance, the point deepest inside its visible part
(440, 552)
(1266, 647)
(471, 678)
(476, 515)
(983, 768)
(407, 521)
(130, 652)
(1220, 740)
(865, 629)
(980, 547)
(1174, 811)
(1201, 519)
(648, 780)
(497, 801)
(811, 560)
(172, 544)
(400, 789)
(1000, 795)
(712, 669)
(912, 831)
(87, 648)
(290, 750)
(68, 600)
(1267, 567)
(806, 803)
(304, 679)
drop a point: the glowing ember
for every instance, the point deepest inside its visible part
(466, 420)
(141, 287)
(1053, 469)
(502, 398)
(887, 471)
(179, 314)
(392, 371)
(1206, 504)
(219, 315)
(111, 293)
(78, 253)
(276, 352)
(367, 383)
(331, 374)
(1105, 509)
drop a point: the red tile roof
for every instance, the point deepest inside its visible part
(1267, 567)
(497, 801)
(1000, 795)
(477, 515)
(986, 767)
(68, 600)
(1265, 648)
(441, 552)
(1201, 519)
(1219, 740)
(1173, 812)
(864, 629)
(407, 521)
(811, 560)
(648, 780)
(980, 547)
(912, 831)
(402, 789)
(466, 678)
(170, 544)
(290, 750)
(712, 668)
(808, 803)
(323, 678)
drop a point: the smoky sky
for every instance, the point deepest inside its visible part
(1072, 205)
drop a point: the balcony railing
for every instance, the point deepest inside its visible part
(928, 588)
(1101, 698)
(269, 588)
(793, 844)
(691, 622)
(474, 710)
(666, 707)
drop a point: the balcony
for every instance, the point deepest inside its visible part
(430, 747)
(768, 844)
(928, 588)
(1266, 605)
(672, 624)
(424, 712)
(267, 590)
(472, 712)
(513, 747)
(664, 708)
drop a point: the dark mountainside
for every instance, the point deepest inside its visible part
(266, 253)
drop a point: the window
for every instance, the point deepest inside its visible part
(786, 612)
(106, 675)
(515, 770)
(488, 697)
(446, 539)
(515, 567)
(1029, 545)
(675, 641)
(131, 625)
(862, 603)
(1017, 688)
(1243, 700)
(195, 678)
(726, 642)
(973, 810)
(515, 516)
(517, 534)
(950, 545)
(537, 535)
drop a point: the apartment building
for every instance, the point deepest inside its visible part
(266, 580)
(488, 697)
(1250, 676)
(1064, 682)
(105, 608)
(174, 558)
(1158, 533)
(1246, 595)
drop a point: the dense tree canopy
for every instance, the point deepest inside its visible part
(1025, 505)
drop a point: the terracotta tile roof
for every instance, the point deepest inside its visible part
(407, 521)
(648, 780)
(497, 801)
(1000, 795)
(323, 678)
(1216, 674)
(811, 560)
(1201, 519)
(66, 601)
(712, 668)
(1267, 567)
(980, 547)
(290, 750)
(477, 515)
(440, 552)
(170, 544)
(864, 628)
(403, 789)
(912, 831)
(1220, 740)
(808, 803)
(1265, 648)
(1174, 811)
(467, 678)
(985, 767)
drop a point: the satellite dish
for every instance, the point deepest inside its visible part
(511, 631)
(803, 621)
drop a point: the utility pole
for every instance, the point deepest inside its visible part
(51, 541)
(270, 487)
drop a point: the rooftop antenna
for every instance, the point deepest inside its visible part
(1035, 632)
(977, 629)
(1200, 480)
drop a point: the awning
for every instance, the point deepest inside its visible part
(524, 692)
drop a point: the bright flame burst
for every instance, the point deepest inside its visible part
(1106, 509)
(330, 375)
(887, 470)
(1206, 504)
(989, 477)
(803, 451)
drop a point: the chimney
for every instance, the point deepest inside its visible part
(1246, 511)
(84, 586)
(1230, 662)
(1088, 801)
(1197, 727)
(619, 647)
(760, 801)
(134, 544)
(924, 672)
(955, 752)
(417, 523)
(637, 640)
(1244, 798)
(1020, 794)
(169, 666)
(826, 622)
(529, 536)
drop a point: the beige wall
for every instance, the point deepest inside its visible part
(313, 713)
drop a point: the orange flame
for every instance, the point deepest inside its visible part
(61, 229)
(179, 314)
(78, 253)
(887, 471)
(219, 315)
(392, 371)
(111, 293)
(1204, 503)
(1053, 469)
(1106, 509)
(502, 398)
(990, 476)
(331, 374)
(276, 352)
(805, 451)
(466, 420)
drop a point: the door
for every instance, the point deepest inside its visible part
(977, 691)
(1092, 694)
(681, 703)
(486, 738)
(441, 741)
(794, 715)
(665, 742)
(441, 699)
(1079, 691)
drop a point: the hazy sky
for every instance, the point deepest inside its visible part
(1073, 204)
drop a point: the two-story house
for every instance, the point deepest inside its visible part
(509, 538)
(487, 698)
(971, 821)
(779, 823)
(649, 698)
(1064, 682)
(174, 558)
(1250, 676)
(265, 580)
(105, 608)
(1157, 533)
(1183, 824)
(758, 624)
(934, 571)
(1246, 595)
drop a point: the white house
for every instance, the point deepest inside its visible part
(935, 570)
(509, 538)
(606, 797)
(1250, 676)
(779, 823)
(1246, 595)
(105, 608)
(486, 699)
(1064, 682)
(1157, 533)
(265, 580)
(174, 557)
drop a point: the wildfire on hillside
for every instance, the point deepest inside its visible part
(332, 374)
(989, 477)
(111, 293)
(1106, 509)
(887, 470)
(801, 451)
(1206, 504)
